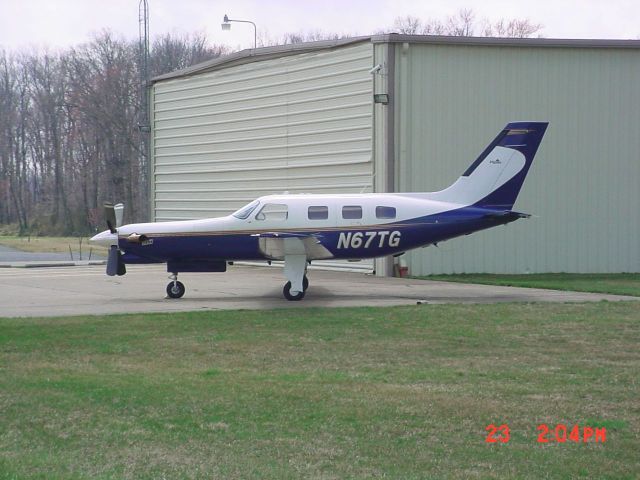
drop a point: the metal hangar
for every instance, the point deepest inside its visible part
(398, 113)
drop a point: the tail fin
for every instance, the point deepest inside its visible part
(496, 177)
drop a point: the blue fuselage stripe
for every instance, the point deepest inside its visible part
(348, 243)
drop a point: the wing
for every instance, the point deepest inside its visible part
(275, 245)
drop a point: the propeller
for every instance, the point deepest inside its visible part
(119, 209)
(113, 215)
(110, 216)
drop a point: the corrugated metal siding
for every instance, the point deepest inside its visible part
(301, 123)
(584, 183)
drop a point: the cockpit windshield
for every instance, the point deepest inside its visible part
(245, 211)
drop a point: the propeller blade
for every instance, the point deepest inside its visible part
(119, 209)
(112, 261)
(115, 265)
(110, 216)
(113, 214)
(122, 268)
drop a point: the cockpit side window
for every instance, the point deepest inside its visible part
(318, 212)
(385, 212)
(352, 212)
(245, 211)
(273, 211)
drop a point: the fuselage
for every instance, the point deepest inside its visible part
(354, 226)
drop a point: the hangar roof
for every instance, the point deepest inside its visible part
(264, 53)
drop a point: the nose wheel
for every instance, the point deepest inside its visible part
(175, 289)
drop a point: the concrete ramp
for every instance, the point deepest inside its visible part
(86, 290)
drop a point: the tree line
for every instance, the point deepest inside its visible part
(70, 133)
(69, 130)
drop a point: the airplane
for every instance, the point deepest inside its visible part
(301, 228)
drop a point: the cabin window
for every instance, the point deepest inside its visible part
(385, 212)
(273, 211)
(352, 212)
(318, 212)
(245, 211)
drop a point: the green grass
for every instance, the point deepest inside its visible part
(613, 283)
(313, 393)
(52, 245)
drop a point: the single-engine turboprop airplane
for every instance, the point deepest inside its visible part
(301, 228)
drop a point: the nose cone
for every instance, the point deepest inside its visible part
(105, 238)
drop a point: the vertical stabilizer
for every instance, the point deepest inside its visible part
(495, 178)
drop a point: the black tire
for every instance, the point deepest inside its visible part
(305, 283)
(175, 291)
(286, 291)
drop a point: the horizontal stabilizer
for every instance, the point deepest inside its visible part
(507, 214)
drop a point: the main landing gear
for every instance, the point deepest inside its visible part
(175, 289)
(295, 269)
(286, 291)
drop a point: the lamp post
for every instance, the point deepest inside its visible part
(227, 26)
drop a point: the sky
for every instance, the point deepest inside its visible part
(58, 24)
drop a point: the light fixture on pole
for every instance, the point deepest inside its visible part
(227, 26)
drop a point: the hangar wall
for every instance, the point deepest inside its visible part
(302, 119)
(584, 185)
(300, 123)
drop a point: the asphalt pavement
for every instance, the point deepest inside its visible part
(86, 290)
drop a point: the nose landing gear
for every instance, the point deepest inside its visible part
(175, 289)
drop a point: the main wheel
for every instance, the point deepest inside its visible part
(286, 291)
(305, 283)
(175, 290)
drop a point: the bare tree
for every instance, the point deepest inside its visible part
(170, 52)
(408, 25)
(48, 86)
(464, 24)
(10, 165)
(290, 38)
(69, 137)
(511, 28)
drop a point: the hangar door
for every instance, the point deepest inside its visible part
(301, 123)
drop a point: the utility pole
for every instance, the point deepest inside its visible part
(143, 118)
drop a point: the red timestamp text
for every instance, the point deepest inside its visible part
(499, 434)
(559, 433)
